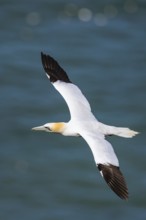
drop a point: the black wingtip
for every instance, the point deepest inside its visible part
(53, 69)
(115, 180)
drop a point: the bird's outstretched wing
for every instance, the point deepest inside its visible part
(76, 101)
(107, 162)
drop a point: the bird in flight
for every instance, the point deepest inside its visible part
(84, 124)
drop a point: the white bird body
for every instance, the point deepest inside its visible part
(83, 123)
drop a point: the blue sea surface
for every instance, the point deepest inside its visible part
(102, 47)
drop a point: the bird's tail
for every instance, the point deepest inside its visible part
(118, 131)
(124, 132)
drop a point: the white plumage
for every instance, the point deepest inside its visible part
(84, 124)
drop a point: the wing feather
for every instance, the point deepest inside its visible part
(102, 150)
(114, 178)
(53, 69)
(76, 101)
(107, 162)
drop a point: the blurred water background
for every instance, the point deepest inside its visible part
(102, 46)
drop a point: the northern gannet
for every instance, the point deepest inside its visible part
(84, 124)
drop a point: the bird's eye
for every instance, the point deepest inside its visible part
(47, 128)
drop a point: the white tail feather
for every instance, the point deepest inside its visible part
(125, 132)
(119, 131)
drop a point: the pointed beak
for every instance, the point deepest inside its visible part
(39, 128)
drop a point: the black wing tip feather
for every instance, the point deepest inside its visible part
(53, 69)
(114, 179)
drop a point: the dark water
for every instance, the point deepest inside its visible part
(102, 46)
